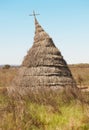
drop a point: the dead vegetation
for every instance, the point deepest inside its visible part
(43, 66)
(7, 75)
(80, 71)
(43, 110)
(81, 74)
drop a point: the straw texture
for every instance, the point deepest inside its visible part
(43, 66)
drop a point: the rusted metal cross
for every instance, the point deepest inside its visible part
(34, 14)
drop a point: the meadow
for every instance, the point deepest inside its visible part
(80, 73)
(45, 110)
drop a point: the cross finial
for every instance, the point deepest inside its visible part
(34, 14)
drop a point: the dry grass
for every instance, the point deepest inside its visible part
(6, 76)
(82, 71)
(43, 110)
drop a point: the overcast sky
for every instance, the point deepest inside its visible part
(66, 21)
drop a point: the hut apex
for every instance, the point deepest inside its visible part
(43, 66)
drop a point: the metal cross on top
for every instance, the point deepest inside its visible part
(34, 14)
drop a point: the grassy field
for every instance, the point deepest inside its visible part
(45, 110)
(6, 76)
(80, 71)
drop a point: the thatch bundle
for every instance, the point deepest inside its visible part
(43, 66)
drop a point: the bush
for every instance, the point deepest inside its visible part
(6, 66)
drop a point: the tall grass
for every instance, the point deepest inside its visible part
(44, 110)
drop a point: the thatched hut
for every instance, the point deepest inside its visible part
(43, 66)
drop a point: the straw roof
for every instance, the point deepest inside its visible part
(43, 66)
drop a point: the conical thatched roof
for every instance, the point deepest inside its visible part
(43, 66)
